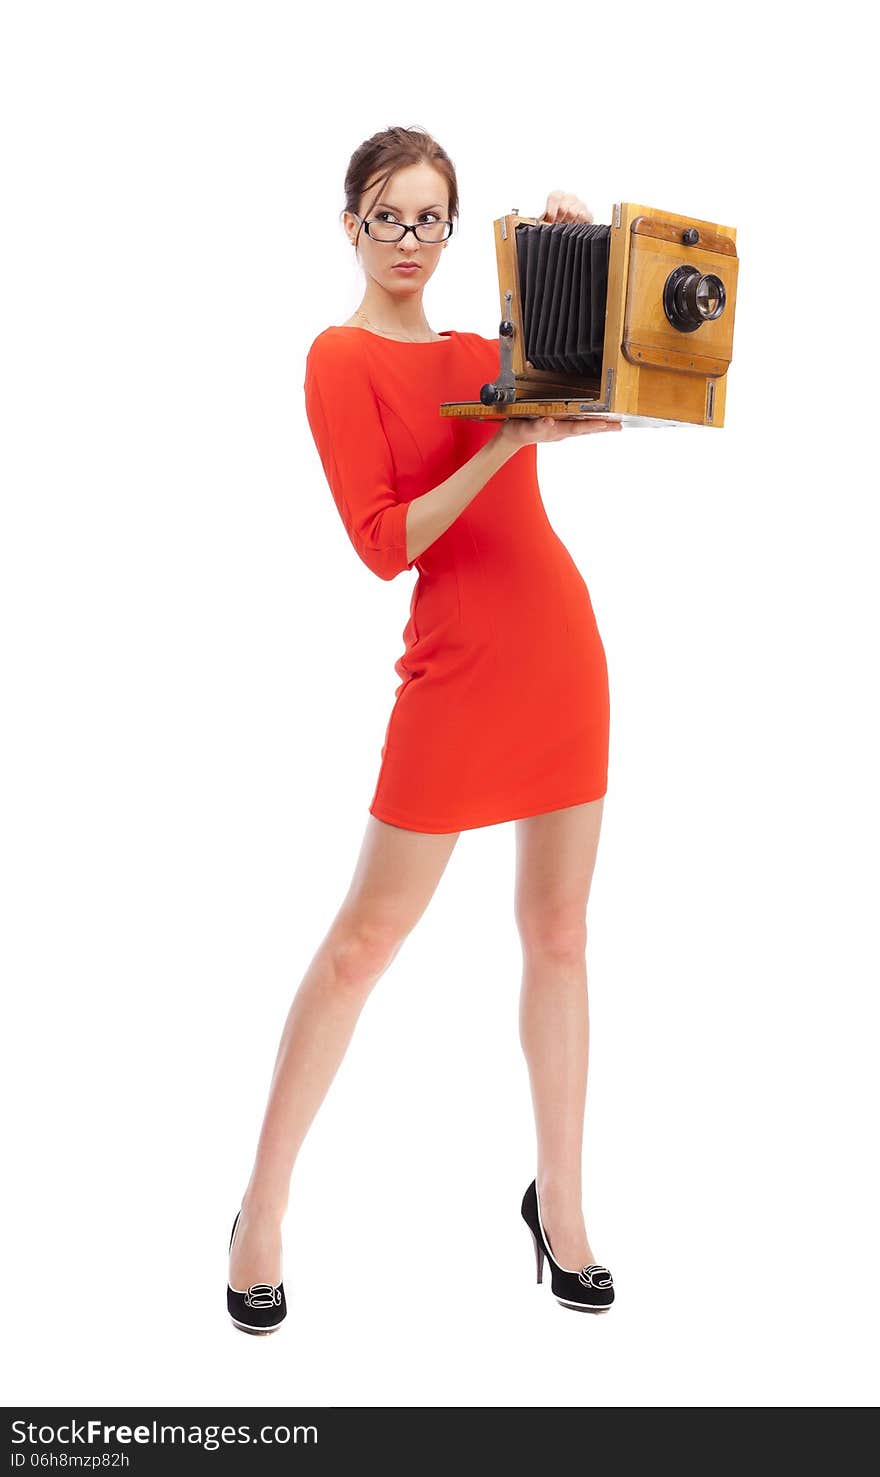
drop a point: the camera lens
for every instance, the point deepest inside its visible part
(691, 297)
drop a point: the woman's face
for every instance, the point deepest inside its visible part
(416, 193)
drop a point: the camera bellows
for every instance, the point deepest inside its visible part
(563, 283)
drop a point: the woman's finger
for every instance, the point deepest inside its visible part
(585, 426)
(570, 207)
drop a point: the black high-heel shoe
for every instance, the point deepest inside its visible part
(591, 1288)
(260, 1308)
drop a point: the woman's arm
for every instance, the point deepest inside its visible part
(431, 514)
(387, 534)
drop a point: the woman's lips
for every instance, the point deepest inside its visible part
(405, 267)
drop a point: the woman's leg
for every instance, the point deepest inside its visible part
(394, 879)
(556, 853)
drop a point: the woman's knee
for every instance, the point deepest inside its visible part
(553, 930)
(360, 950)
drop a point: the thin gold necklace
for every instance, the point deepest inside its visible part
(361, 314)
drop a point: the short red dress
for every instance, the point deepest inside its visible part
(502, 710)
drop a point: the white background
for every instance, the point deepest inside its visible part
(197, 672)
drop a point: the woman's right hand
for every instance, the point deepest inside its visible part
(523, 430)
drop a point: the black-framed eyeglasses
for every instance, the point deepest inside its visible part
(429, 232)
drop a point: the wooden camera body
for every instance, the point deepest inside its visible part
(632, 320)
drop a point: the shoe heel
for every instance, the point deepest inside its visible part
(539, 1255)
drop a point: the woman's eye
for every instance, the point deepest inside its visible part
(425, 213)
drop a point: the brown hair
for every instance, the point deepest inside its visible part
(388, 151)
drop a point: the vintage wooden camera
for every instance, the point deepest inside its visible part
(632, 320)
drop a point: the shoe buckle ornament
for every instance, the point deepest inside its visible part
(595, 1276)
(263, 1295)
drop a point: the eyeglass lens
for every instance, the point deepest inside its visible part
(427, 231)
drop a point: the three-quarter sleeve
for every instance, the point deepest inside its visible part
(344, 417)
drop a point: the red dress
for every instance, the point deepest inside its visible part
(502, 710)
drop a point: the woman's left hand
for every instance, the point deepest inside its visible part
(564, 207)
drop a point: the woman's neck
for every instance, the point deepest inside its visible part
(385, 313)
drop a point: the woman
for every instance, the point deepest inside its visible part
(501, 713)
